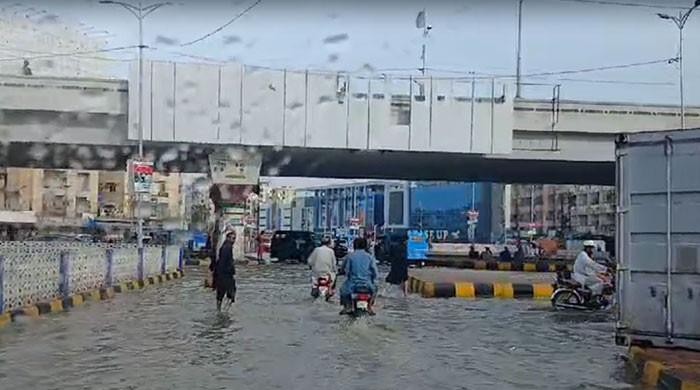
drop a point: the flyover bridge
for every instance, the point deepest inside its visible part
(323, 125)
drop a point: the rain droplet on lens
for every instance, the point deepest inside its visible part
(333, 58)
(232, 39)
(336, 38)
(166, 41)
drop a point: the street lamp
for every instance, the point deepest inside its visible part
(680, 23)
(140, 12)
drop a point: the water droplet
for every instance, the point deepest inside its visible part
(166, 41)
(333, 58)
(336, 38)
(232, 39)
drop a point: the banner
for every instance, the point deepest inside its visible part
(417, 246)
(142, 174)
(234, 167)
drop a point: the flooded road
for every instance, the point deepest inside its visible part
(170, 337)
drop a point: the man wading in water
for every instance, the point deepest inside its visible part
(225, 271)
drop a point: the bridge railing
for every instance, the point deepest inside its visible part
(32, 272)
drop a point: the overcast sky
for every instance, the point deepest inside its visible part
(476, 35)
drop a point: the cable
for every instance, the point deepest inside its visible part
(625, 4)
(620, 82)
(205, 36)
(70, 54)
(11, 49)
(601, 68)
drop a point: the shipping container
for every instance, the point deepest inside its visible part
(658, 238)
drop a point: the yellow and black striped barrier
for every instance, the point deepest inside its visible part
(480, 290)
(653, 372)
(464, 263)
(103, 294)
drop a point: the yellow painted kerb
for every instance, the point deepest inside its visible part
(479, 264)
(552, 268)
(504, 266)
(428, 290)
(503, 290)
(78, 300)
(652, 372)
(542, 291)
(465, 290)
(56, 305)
(94, 295)
(31, 311)
(529, 267)
(5, 319)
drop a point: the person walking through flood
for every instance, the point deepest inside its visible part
(398, 275)
(225, 272)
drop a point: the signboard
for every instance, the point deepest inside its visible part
(417, 246)
(142, 174)
(234, 167)
(473, 217)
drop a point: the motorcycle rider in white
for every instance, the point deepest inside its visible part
(586, 270)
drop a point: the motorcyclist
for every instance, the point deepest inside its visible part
(588, 272)
(360, 272)
(323, 264)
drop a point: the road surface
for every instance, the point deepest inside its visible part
(170, 337)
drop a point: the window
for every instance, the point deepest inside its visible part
(400, 114)
(396, 208)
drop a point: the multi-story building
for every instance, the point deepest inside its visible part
(442, 209)
(567, 209)
(69, 197)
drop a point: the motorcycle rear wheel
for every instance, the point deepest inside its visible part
(564, 299)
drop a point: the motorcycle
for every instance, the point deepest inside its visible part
(361, 299)
(322, 288)
(569, 294)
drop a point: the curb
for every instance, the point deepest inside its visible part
(480, 290)
(103, 294)
(657, 374)
(542, 266)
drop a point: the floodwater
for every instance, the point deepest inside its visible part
(170, 337)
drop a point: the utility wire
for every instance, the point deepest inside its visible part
(11, 49)
(223, 26)
(626, 4)
(602, 68)
(71, 54)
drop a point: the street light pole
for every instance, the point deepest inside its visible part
(680, 21)
(519, 59)
(140, 12)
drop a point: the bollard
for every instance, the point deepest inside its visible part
(109, 274)
(2, 284)
(163, 259)
(139, 264)
(181, 260)
(64, 272)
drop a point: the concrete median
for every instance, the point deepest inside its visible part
(503, 290)
(666, 369)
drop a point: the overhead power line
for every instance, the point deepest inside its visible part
(602, 68)
(223, 26)
(71, 54)
(626, 4)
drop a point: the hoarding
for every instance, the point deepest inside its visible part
(234, 168)
(142, 176)
(417, 246)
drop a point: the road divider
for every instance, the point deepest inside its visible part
(103, 294)
(480, 290)
(666, 369)
(462, 262)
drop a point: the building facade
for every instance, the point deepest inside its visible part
(564, 209)
(440, 208)
(70, 197)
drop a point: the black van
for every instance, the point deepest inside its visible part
(292, 245)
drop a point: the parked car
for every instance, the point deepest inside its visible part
(289, 245)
